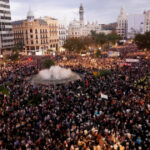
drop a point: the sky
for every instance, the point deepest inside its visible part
(103, 11)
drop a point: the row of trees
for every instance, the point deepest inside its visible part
(143, 41)
(97, 40)
(77, 44)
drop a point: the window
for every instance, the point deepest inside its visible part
(31, 31)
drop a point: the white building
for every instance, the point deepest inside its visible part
(135, 25)
(147, 21)
(62, 33)
(78, 28)
(122, 24)
(6, 34)
(130, 25)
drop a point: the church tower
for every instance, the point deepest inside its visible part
(81, 14)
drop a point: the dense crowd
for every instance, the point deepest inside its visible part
(79, 118)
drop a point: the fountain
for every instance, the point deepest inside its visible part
(55, 75)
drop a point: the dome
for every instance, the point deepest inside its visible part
(30, 15)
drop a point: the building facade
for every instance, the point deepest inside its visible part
(147, 21)
(36, 34)
(122, 24)
(6, 33)
(130, 25)
(62, 34)
(135, 25)
(78, 28)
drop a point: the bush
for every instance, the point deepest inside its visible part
(98, 53)
(104, 72)
(13, 57)
(47, 63)
(4, 90)
(101, 73)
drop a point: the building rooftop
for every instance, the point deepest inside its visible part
(18, 22)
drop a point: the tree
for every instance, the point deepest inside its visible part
(47, 63)
(112, 38)
(143, 41)
(75, 44)
(104, 72)
(18, 47)
(98, 53)
(13, 57)
(100, 39)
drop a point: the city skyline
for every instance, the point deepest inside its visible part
(103, 12)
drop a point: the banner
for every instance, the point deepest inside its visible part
(113, 54)
(104, 96)
(132, 60)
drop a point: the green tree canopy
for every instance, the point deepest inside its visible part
(47, 63)
(98, 53)
(13, 57)
(104, 72)
(112, 38)
(100, 39)
(143, 41)
(18, 47)
(77, 44)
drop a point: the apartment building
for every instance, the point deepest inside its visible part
(36, 34)
(6, 33)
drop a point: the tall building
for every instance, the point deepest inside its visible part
(6, 33)
(37, 35)
(78, 28)
(135, 25)
(147, 21)
(122, 24)
(62, 33)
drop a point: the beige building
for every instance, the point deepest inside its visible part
(37, 35)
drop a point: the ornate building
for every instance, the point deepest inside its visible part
(6, 33)
(36, 34)
(122, 23)
(78, 28)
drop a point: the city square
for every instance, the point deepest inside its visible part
(81, 87)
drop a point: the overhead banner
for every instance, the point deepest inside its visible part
(132, 60)
(113, 54)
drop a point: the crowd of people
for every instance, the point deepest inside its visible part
(79, 118)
